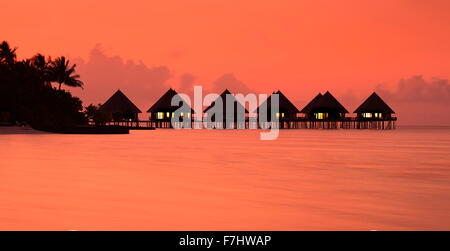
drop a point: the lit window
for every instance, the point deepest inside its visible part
(319, 115)
(168, 115)
(378, 115)
(182, 114)
(189, 115)
(278, 114)
(282, 114)
(367, 115)
(173, 114)
(160, 115)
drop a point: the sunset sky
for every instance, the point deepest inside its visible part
(400, 48)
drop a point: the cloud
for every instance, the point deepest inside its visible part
(418, 89)
(103, 75)
(230, 82)
(418, 101)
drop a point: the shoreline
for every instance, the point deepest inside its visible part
(20, 130)
(5, 130)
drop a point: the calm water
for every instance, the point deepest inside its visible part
(223, 180)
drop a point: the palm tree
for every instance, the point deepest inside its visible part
(39, 62)
(62, 73)
(7, 54)
(41, 65)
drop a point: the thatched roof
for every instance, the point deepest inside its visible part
(119, 103)
(324, 103)
(328, 103)
(284, 103)
(311, 104)
(223, 96)
(374, 104)
(164, 103)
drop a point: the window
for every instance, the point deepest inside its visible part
(378, 115)
(160, 115)
(319, 115)
(278, 115)
(168, 115)
(367, 115)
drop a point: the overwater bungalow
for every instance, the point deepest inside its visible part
(287, 111)
(374, 108)
(373, 112)
(238, 107)
(119, 108)
(324, 111)
(162, 111)
(325, 107)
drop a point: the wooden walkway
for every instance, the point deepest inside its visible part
(299, 123)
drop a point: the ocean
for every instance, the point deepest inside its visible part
(226, 180)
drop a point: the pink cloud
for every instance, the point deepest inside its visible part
(418, 101)
(103, 75)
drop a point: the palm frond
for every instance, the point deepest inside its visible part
(62, 73)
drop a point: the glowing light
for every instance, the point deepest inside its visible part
(160, 115)
(319, 115)
(378, 115)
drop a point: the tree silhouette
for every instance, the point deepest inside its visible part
(26, 96)
(42, 67)
(62, 73)
(7, 54)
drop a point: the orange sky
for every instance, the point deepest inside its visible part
(301, 47)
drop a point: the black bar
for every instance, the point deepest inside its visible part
(218, 240)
